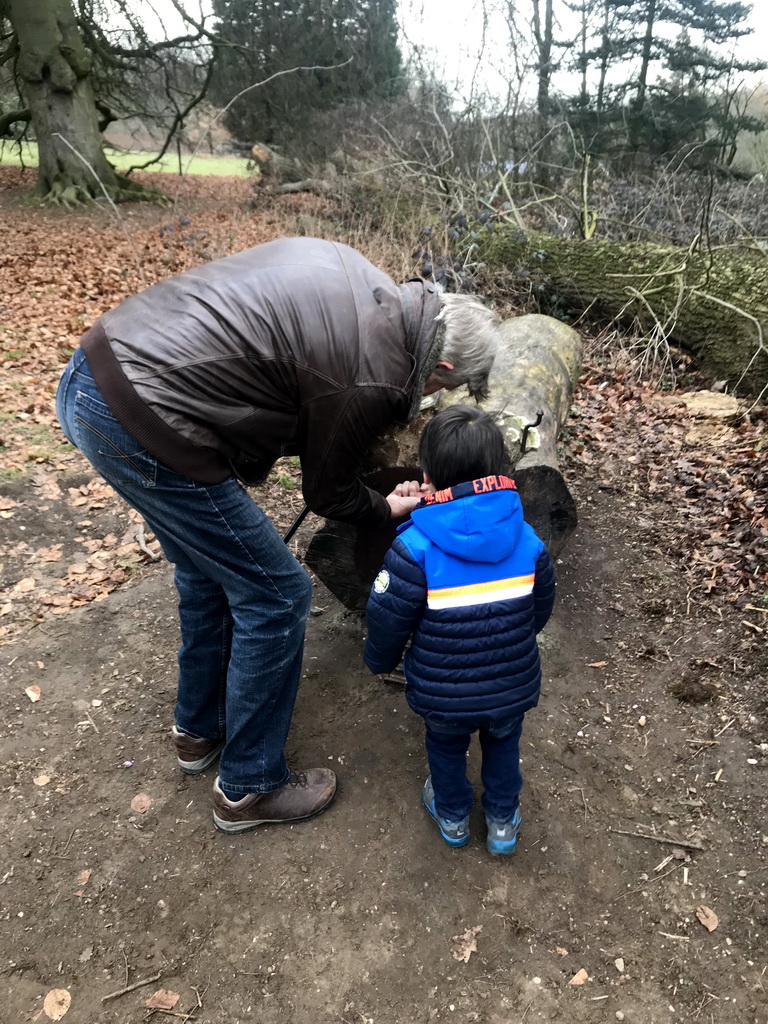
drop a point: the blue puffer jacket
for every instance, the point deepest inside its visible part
(469, 581)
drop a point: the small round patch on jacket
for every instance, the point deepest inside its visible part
(381, 583)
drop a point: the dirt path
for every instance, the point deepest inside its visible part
(354, 918)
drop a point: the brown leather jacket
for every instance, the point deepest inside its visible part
(299, 346)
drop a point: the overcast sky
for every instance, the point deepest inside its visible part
(465, 41)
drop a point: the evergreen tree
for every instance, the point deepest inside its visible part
(271, 36)
(672, 92)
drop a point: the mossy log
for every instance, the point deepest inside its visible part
(537, 366)
(712, 302)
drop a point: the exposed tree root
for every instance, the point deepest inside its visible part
(69, 192)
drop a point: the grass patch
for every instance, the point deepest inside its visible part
(41, 434)
(42, 454)
(10, 156)
(6, 475)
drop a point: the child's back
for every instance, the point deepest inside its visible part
(470, 584)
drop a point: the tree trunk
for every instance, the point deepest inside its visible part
(712, 302)
(54, 68)
(637, 106)
(543, 36)
(536, 369)
(605, 50)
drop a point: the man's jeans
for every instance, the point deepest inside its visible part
(243, 598)
(447, 745)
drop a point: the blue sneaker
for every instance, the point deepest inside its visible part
(455, 833)
(502, 835)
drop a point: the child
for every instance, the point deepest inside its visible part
(470, 584)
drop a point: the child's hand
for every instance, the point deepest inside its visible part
(410, 489)
(405, 497)
(401, 507)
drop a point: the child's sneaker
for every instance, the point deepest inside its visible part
(502, 835)
(455, 833)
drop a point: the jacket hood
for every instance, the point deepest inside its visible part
(478, 521)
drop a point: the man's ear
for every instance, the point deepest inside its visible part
(444, 364)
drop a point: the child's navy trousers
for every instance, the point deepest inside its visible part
(447, 745)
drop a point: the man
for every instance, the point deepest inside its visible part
(297, 347)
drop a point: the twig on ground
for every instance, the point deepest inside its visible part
(663, 864)
(640, 888)
(726, 726)
(131, 988)
(140, 540)
(71, 836)
(171, 1013)
(686, 843)
(95, 727)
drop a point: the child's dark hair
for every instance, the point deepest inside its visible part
(459, 444)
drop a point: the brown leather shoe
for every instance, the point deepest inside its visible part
(194, 755)
(304, 795)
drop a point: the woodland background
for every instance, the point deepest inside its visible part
(603, 162)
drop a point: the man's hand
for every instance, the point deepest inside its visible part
(405, 497)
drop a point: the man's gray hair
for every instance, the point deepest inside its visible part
(470, 340)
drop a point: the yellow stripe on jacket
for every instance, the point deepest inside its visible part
(480, 593)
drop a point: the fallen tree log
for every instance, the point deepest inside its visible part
(538, 364)
(712, 302)
(272, 165)
(536, 370)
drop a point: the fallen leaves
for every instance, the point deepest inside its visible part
(34, 693)
(713, 481)
(579, 977)
(24, 586)
(163, 999)
(707, 917)
(93, 495)
(597, 664)
(465, 944)
(56, 1003)
(141, 803)
(7, 507)
(95, 568)
(50, 554)
(41, 780)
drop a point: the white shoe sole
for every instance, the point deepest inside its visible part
(196, 767)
